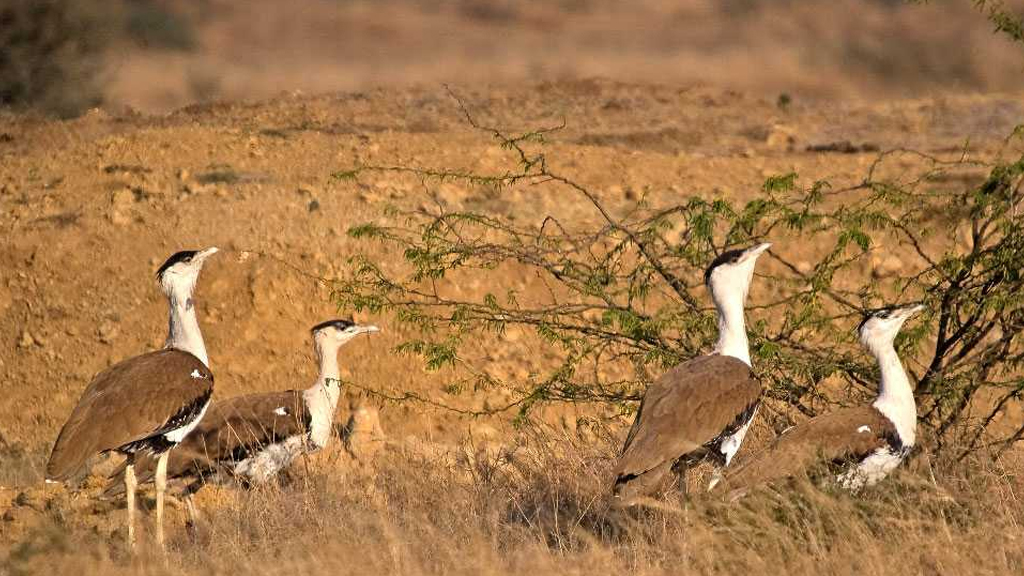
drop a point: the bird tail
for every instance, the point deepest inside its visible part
(65, 462)
(629, 487)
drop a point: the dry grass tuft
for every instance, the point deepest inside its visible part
(542, 507)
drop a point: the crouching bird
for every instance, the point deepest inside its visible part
(254, 437)
(702, 408)
(864, 444)
(146, 405)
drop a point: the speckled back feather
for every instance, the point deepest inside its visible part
(129, 404)
(684, 412)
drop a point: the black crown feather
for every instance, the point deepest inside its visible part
(183, 256)
(338, 324)
(727, 257)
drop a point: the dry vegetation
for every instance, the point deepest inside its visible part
(542, 508)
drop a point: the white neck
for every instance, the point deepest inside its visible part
(732, 330)
(322, 397)
(183, 327)
(895, 396)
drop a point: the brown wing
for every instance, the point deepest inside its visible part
(231, 429)
(688, 407)
(139, 398)
(242, 424)
(849, 434)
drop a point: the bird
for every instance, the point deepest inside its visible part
(255, 436)
(702, 408)
(864, 443)
(147, 404)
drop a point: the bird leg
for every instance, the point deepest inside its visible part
(677, 476)
(129, 490)
(716, 477)
(161, 485)
(681, 480)
(192, 523)
(193, 513)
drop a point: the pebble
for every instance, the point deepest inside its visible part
(27, 340)
(107, 331)
(120, 206)
(781, 136)
(24, 499)
(886, 267)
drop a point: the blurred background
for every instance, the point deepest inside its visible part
(65, 56)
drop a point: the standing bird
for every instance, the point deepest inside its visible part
(146, 404)
(703, 407)
(870, 441)
(253, 437)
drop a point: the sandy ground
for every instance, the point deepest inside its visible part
(90, 207)
(842, 49)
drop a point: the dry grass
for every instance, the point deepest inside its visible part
(542, 508)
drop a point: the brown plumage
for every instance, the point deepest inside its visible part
(845, 436)
(684, 416)
(231, 430)
(129, 407)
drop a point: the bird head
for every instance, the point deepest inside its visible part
(731, 271)
(332, 334)
(179, 274)
(881, 326)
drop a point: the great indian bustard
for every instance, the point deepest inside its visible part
(255, 436)
(146, 404)
(703, 407)
(866, 442)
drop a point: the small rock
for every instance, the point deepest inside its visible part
(483, 432)
(120, 206)
(363, 431)
(27, 340)
(886, 267)
(570, 424)
(107, 331)
(27, 500)
(780, 136)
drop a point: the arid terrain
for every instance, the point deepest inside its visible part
(842, 49)
(90, 207)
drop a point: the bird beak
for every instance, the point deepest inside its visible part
(756, 251)
(367, 329)
(911, 310)
(204, 254)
